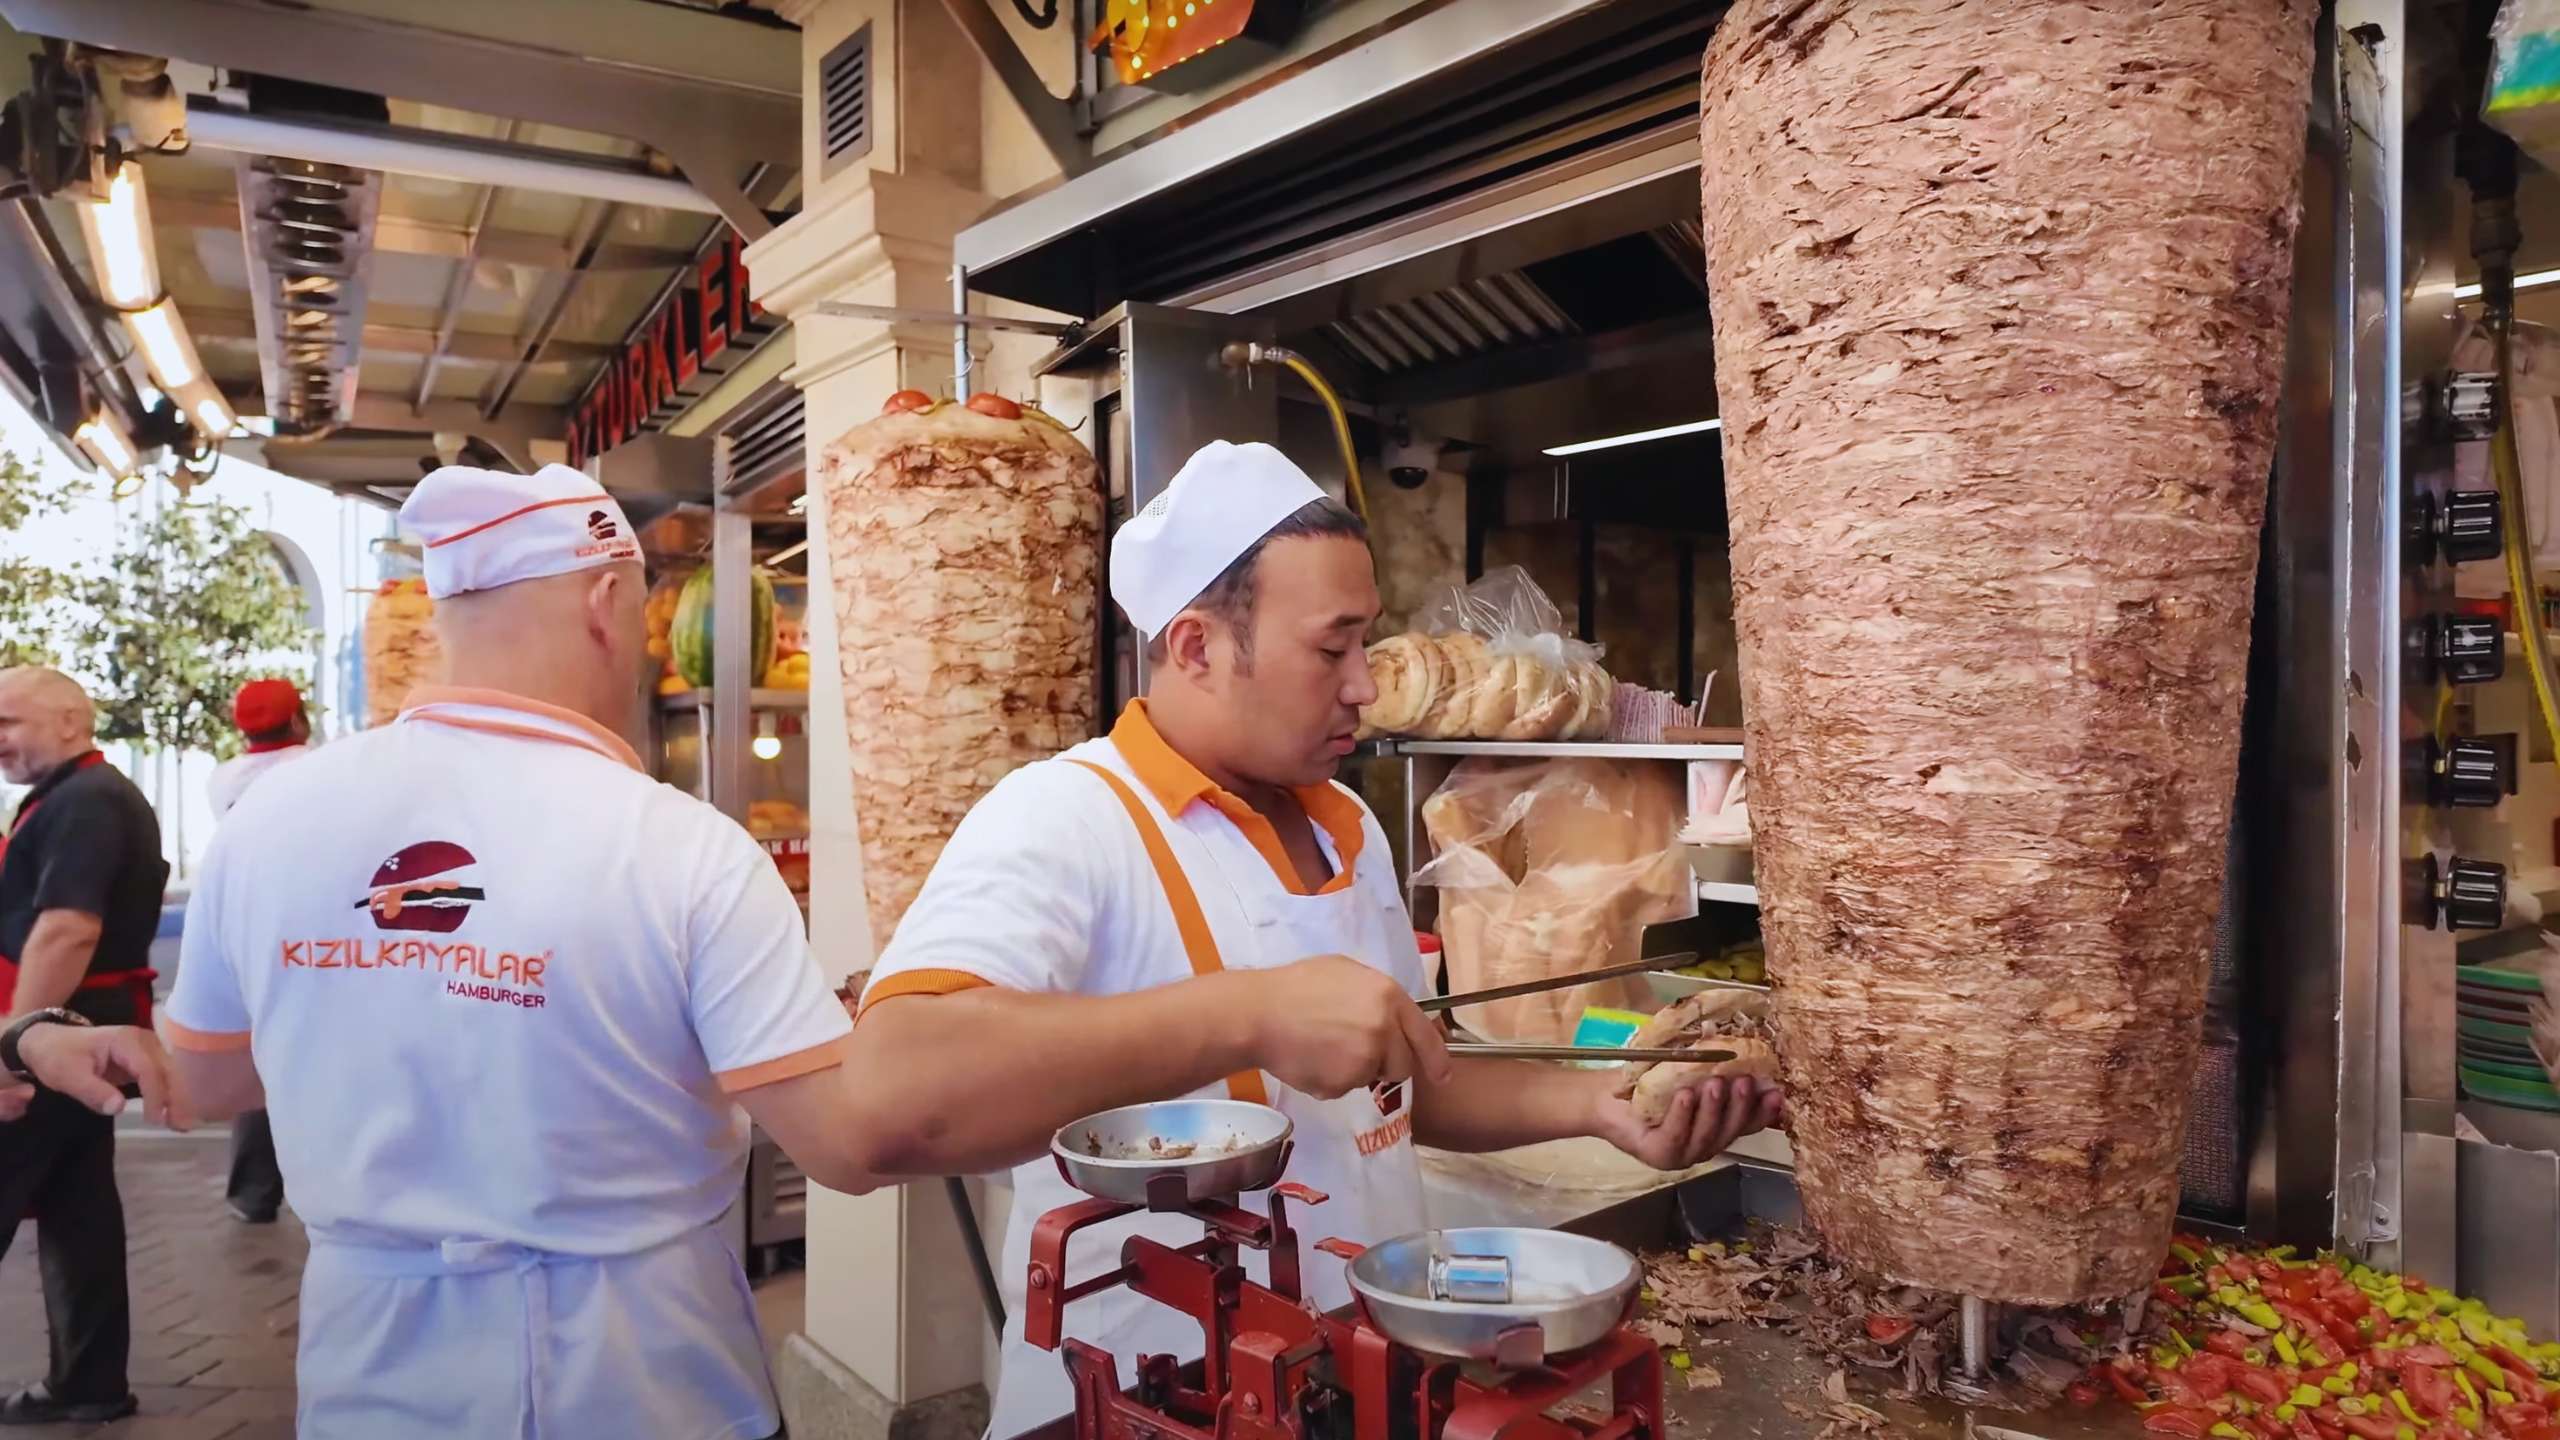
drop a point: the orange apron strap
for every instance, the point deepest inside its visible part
(1197, 942)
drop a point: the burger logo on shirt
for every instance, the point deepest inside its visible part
(1390, 1096)
(418, 889)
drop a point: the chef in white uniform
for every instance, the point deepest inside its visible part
(1192, 906)
(505, 995)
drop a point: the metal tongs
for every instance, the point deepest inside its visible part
(1483, 1050)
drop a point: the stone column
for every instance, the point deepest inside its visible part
(895, 1336)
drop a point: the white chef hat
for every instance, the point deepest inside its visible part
(482, 529)
(1223, 501)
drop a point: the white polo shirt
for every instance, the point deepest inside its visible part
(500, 986)
(230, 779)
(1048, 886)
(548, 1058)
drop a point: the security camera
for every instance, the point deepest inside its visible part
(1409, 458)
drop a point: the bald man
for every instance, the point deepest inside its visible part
(80, 891)
(504, 995)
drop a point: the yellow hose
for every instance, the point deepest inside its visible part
(1341, 426)
(2510, 477)
(1243, 353)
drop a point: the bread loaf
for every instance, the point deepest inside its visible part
(1410, 671)
(1547, 705)
(1735, 1020)
(1451, 716)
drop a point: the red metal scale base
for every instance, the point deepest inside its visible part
(1274, 1369)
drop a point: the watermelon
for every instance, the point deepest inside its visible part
(690, 636)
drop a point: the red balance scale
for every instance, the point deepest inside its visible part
(1457, 1334)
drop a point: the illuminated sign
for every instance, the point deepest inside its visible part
(1161, 43)
(705, 325)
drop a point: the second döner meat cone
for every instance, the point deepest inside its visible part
(2000, 292)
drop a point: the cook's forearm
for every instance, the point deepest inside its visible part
(57, 959)
(1503, 1104)
(216, 1085)
(979, 1081)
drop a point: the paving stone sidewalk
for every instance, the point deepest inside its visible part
(213, 1303)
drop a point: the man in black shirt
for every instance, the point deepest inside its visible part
(80, 890)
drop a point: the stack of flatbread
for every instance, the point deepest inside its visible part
(1455, 687)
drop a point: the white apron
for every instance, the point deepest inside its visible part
(1372, 1196)
(498, 1341)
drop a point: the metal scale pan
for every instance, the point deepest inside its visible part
(1563, 1292)
(1172, 1153)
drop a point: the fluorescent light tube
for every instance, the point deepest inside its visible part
(2530, 280)
(165, 346)
(119, 234)
(1638, 438)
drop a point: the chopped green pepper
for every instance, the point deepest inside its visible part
(2225, 1430)
(2284, 1347)
(2469, 1417)
(2349, 1404)
(2306, 1395)
(2286, 1413)
(2180, 1338)
(1679, 1359)
(2400, 1401)
(2187, 1286)
(2338, 1385)
(2463, 1379)
(2486, 1368)
(2496, 1397)
(2260, 1313)
(2186, 1256)
(2348, 1371)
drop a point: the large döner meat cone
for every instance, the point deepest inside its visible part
(962, 550)
(2000, 293)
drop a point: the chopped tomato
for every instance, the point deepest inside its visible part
(1889, 1329)
(906, 400)
(2084, 1392)
(2209, 1375)
(2373, 1427)
(2127, 1388)
(2184, 1420)
(2516, 1419)
(995, 405)
(2303, 1429)
(2421, 1355)
(2261, 1385)
(2329, 1426)
(2227, 1342)
(2174, 1384)
(2515, 1365)
(2429, 1389)
(2339, 1328)
(2536, 1432)
(2351, 1302)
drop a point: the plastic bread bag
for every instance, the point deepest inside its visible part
(1489, 661)
(2524, 74)
(1549, 868)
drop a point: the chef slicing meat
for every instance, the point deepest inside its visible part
(1192, 906)
(505, 994)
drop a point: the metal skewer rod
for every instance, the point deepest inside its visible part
(1974, 1318)
(1438, 1003)
(1474, 1050)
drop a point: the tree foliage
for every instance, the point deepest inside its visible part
(164, 627)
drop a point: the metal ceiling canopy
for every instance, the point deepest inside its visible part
(1412, 50)
(562, 62)
(310, 247)
(1414, 124)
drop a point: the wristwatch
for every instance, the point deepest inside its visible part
(9, 1038)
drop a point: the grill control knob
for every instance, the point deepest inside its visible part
(2468, 526)
(2465, 894)
(2466, 649)
(2476, 771)
(2466, 405)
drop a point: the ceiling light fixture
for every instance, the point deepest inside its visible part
(118, 229)
(2530, 280)
(214, 416)
(166, 347)
(768, 744)
(1637, 438)
(106, 443)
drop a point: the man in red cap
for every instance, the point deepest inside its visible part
(272, 718)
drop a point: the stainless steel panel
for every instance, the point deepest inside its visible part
(2304, 1139)
(2510, 1227)
(1437, 39)
(1161, 392)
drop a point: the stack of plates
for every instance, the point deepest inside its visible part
(2495, 1007)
